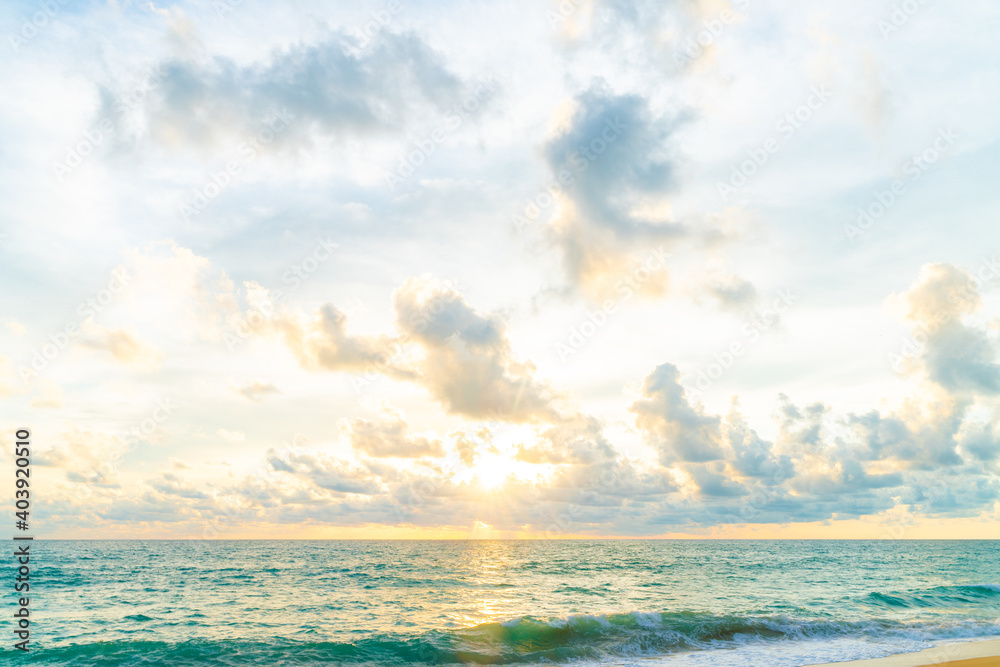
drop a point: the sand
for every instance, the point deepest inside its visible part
(971, 654)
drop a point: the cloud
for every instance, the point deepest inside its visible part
(323, 471)
(640, 128)
(801, 429)
(461, 356)
(124, 345)
(50, 395)
(10, 385)
(942, 293)
(732, 292)
(172, 485)
(324, 344)
(713, 453)
(579, 439)
(675, 429)
(709, 469)
(752, 456)
(656, 38)
(231, 436)
(321, 87)
(470, 448)
(880, 437)
(613, 155)
(257, 390)
(150, 507)
(177, 295)
(843, 477)
(919, 436)
(14, 326)
(958, 357)
(982, 442)
(850, 466)
(468, 364)
(178, 464)
(388, 438)
(89, 457)
(714, 481)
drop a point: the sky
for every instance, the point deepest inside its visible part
(590, 268)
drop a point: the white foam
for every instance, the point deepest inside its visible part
(785, 654)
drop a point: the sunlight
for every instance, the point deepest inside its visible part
(492, 471)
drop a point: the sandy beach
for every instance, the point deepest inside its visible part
(972, 654)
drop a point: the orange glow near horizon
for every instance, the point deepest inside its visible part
(987, 527)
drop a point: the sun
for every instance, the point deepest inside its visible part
(493, 471)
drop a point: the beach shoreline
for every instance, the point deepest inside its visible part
(985, 653)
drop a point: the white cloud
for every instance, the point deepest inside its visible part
(227, 309)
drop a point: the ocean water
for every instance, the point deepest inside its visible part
(673, 603)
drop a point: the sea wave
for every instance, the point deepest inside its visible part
(523, 640)
(938, 596)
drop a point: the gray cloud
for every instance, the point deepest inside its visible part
(614, 155)
(323, 471)
(468, 363)
(172, 485)
(753, 456)
(982, 442)
(916, 443)
(323, 86)
(732, 292)
(801, 429)
(460, 355)
(676, 429)
(714, 482)
(958, 357)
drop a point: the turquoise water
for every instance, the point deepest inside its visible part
(678, 603)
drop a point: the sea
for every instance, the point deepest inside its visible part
(501, 602)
